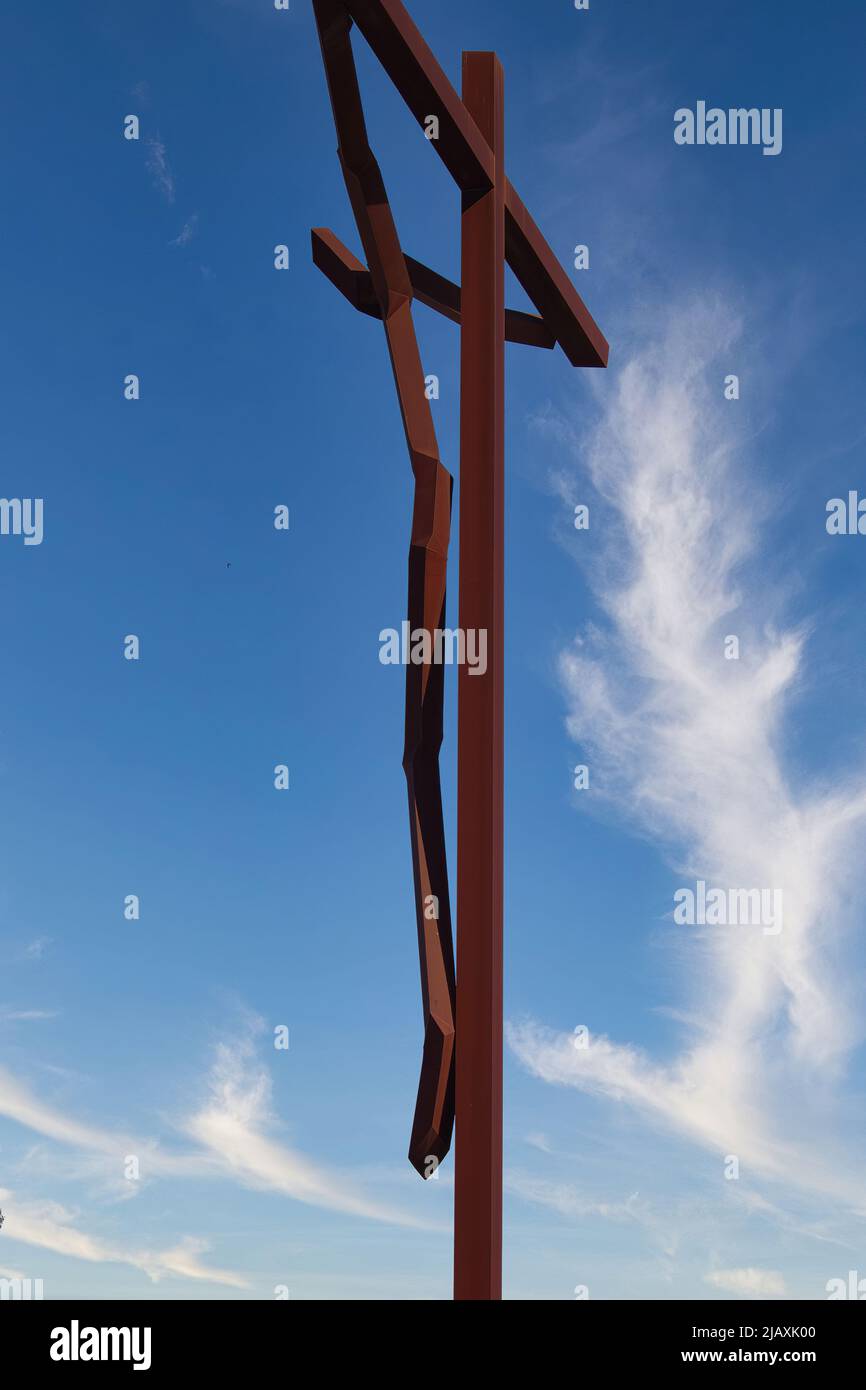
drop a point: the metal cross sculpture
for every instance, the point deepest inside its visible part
(461, 1069)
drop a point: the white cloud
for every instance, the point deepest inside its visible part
(25, 1015)
(187, 231)
(35, 950)
(685, 746)
(539, 1141)
(183, 1259)
(564, 1198)
(233, 1127)
(17, 1103)
(750, 1283)
(49, 1226)
(232, 1138)
(156, 162)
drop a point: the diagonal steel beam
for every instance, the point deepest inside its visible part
(413, 68)
(554, 296)
(497, 229)
(415, 72)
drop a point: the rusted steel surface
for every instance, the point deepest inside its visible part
(352, 278)
(401, 49)
(550, 289)
(415, 72)
(428, 562)
(478, 1159)
(496, 229)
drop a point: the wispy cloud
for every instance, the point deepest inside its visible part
(49, 1226)
(187, 232)
(233, 1128)
(748, 1283)
(233, 1140)
(564, 1198)
(686, 748)
(25, 1015)
(156, 162)
(18, 1103)
(539, 1141)
(35, 950)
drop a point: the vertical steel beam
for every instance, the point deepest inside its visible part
(478, 1151)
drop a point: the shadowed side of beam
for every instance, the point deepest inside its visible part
(415, 72)
(345, 272)
(352, 278)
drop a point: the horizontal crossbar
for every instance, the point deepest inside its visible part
(354, 281)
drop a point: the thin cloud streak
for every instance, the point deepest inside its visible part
(49, 1226)
(187, 232)
(232, 1127)
(26, 1015)
(748, 1283)
(156, 163)
(232, 1141)
(563, 1197)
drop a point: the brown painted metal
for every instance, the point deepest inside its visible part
(415, 72)
(478, 1159)
(497, 229)
(352, 278)
(428, 561)
(345, 272)
(550, 289)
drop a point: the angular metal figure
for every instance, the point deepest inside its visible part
(462, 1058)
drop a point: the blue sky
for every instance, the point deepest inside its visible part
(262, 1168)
